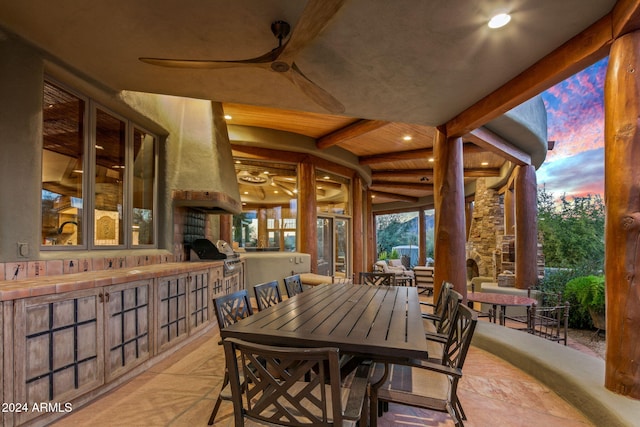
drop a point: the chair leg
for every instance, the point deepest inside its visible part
(225, 381)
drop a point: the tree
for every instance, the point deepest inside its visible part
(572, 231)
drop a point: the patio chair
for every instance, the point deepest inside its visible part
(545, 299)
(229, 309)
(551, 323)
(436, 306)
(293, 285)
(377, 279)
(293, 386)
(429, 385)
(267, 294)
(423, 277)
(437, 338)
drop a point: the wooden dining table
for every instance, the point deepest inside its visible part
(381, 323)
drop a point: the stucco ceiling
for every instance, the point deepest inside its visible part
(416, 62)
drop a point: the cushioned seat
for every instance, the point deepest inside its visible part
(313, 279)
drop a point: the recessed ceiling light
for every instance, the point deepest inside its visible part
(326, 177)
(407, 138)
(485, 163)
(373, 196)
(431, 160)
(227, 117)
(500, 20)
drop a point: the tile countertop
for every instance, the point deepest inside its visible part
(47, 285)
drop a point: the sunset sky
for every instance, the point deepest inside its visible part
(575, 114)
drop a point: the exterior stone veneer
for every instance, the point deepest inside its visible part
(487, 225)
(488, 247)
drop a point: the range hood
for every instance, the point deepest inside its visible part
(199, 167)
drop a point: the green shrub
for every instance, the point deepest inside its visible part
(394, 254)
(584, 293)
(383, 256)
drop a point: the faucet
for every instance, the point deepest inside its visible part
(65, 223)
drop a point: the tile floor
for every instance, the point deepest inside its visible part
(181, 391)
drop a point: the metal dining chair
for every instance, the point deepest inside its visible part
(267, 294)
(229, 309)
(377, 279)
(288, 386)
(293, 285)
(429, 385)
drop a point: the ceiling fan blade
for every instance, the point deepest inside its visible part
(313, 91)
(315, 17)
(261, 60)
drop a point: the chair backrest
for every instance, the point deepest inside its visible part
(285, 386)
(267, 294)
(442, 297)
(449, 311)
(460, 335)
(293, 285)
(377, 279)
(232, 307)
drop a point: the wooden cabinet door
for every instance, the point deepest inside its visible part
(58, 348)
(171, 308)
(200, 304)
(127, 321)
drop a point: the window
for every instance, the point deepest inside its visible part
(332, 193)
(107, 154)
(269, 198)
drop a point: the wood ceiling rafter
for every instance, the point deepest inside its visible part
(412, 154)
(427, 174)
(353, 130)
(488, 140)
(394, 196)
(404, 185)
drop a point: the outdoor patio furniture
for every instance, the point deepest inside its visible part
(293, 386)
(436, 306)
(551, 323)
(229, 309)
(293, 285)
(377, 279)
(397, 264)
(267, 294)
(423, 277)
(425, 384)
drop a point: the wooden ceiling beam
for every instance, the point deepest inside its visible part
(488, 140)
(403, 185)
(427, 174)
(423, 153)
(576, 54)
(395, 196)
(625, 17)
(481, 172)
(354, 130)
(402, 173)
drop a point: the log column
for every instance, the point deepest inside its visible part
(358, 253)
(422, 236)
(622, 223)
(307, 212)
(526, 227)
(450, 230)
(509, 212)
(372, 243)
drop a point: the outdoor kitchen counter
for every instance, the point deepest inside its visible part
(48, 285)
(71, 337)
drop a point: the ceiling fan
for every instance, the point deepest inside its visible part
(315, 17)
